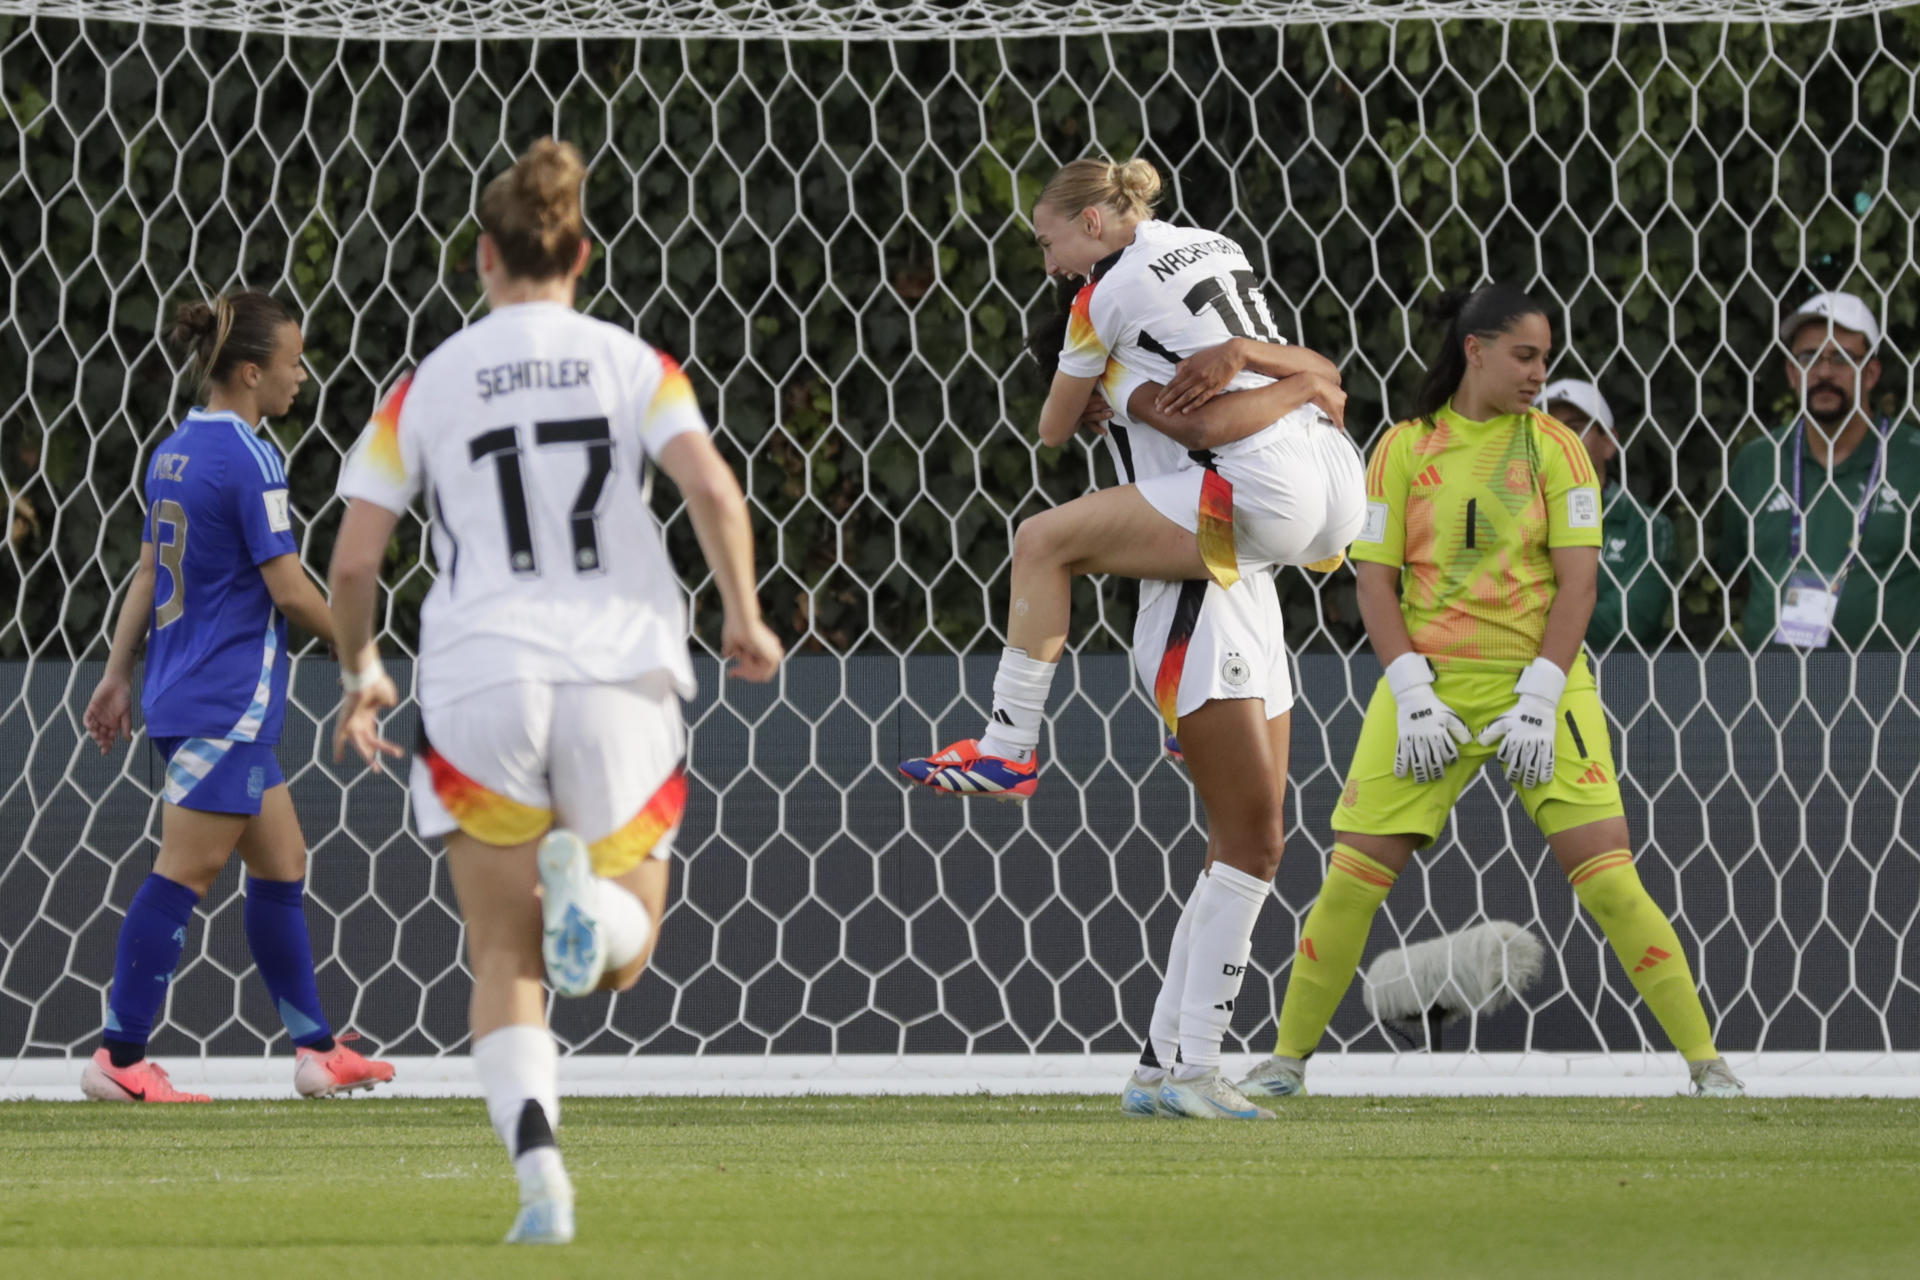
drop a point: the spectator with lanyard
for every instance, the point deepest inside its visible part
(1818, 513)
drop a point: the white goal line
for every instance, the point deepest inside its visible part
(1770, 1074)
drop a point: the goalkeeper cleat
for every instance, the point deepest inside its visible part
(572, 942)
(1276, 1077)
(1713, 1078)
(546, 1214)
(1208, 1097)
(1141, 1097)
(962, 770)
(1174, 753)
(339, 1070)
(142, 1082)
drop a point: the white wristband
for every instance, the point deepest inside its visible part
(1543, 678)
(1406, 671)
(354, 682)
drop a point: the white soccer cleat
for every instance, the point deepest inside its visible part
(1141, 1097)
(1276, 1077)
(544, 1218)
(1715, 1079)
(1208, 1097)
(572, 942)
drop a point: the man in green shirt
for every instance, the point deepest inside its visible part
(1796, 498)
(1636, 554)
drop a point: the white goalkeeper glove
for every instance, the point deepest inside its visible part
(1430, 732)
(1526, 732)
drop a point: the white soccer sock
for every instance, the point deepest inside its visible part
(518, 1065)
(1163, 1031)
(622, 919)
(1229, 901)
(1020, 689)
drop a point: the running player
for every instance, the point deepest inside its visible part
(1477, 571)
(219, 531)
(1196, 643)
(554, 640)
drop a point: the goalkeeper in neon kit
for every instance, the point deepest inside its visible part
(1477, 568)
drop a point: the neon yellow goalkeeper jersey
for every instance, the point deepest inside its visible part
(1468, 512)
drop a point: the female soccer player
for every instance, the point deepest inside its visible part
(1477, 572)
(554, 641)
(1195, 644)
(1291, 493)
(218, 528)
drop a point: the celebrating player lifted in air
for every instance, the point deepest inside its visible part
(1287, 491)
(1477, 571)
(554, 641)
(219, 532)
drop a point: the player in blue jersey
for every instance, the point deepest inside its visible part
(219, 576)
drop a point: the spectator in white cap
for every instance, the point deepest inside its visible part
(1817, 515)
(1636, 550)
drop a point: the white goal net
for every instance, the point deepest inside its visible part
(819, 209)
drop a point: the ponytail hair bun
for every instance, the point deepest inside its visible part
(1130, 189)
(533, 212)
(216, 337)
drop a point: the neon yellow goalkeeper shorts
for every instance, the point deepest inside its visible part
(1583, 789)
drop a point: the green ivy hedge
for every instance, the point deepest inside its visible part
(830, 237)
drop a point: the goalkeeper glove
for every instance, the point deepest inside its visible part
(1526, 732)
(1430, 733)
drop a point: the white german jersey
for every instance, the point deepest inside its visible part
(1139, 451)
(1172, 292)
(531, 434)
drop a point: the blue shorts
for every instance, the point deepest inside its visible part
(214, 775)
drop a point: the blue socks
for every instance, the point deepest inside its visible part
(276, 920)
(151, 939)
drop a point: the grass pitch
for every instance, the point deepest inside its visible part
(990, 1187)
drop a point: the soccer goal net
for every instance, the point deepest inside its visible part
(820, 209)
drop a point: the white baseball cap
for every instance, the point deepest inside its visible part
(1583, 396)
(1842, 310)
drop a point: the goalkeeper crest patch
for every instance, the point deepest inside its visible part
(1583, 509)
(277, 518)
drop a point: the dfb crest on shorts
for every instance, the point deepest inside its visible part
(1235, 671)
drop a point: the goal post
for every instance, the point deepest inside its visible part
(820, 209)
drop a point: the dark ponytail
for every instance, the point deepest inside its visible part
(1047, 337)
(222, 335)
(1484, 313)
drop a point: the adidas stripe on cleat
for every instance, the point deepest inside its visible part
(961, 770)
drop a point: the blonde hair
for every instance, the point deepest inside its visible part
(1128, 189)
(532, 211)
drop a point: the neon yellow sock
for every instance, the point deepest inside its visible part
(1330, 945)
(1648, 948)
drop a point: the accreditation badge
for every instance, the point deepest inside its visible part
(1807, 606)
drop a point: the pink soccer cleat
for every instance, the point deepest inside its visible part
(144, 1081)
(962, 770)
(339, 1070)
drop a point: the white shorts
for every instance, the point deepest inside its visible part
(1299, 494)
(604, 761)
(1198, 642)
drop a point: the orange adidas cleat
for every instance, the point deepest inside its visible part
(339, 1070)
(144, 1081)
(962, 769)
